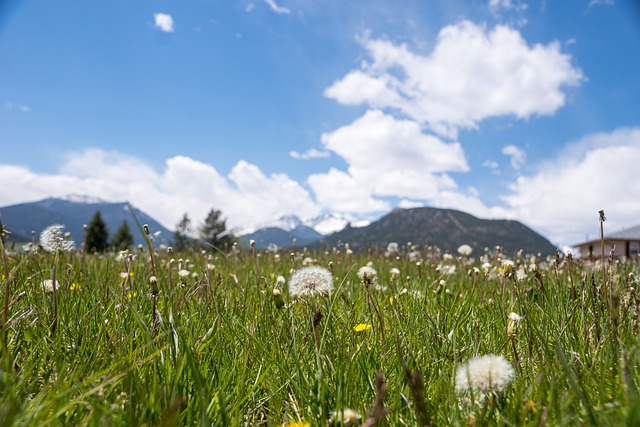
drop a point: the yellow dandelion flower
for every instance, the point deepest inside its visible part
(75, 287)
(132, 294)
(362, 327)
(296, 424)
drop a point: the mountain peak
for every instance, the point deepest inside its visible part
(81, 198)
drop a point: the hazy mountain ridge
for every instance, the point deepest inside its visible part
(73, 212)
(444, 228)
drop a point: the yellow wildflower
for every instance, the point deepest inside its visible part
(132, 294)
(296, 424)
(75, 287)
(362, 327)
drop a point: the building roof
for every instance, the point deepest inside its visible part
(632, 233)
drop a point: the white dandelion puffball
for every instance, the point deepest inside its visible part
(52, 239)
(484, 373)
(47, 285)
(367, 273)
(465, 250)
(311, 281)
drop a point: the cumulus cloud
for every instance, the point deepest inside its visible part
(311, 153)
(386, 157)
(277, 9)
(601, 3)
(408, 204)
(517, 156)
(10, 106)
(473, 73)
(246, 195)
(563, 197)
(164, 22)
(491, 164)
(340, 192)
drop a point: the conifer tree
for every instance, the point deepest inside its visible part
(97, 234)
(122, 239)
(181, 237)
(213, 231)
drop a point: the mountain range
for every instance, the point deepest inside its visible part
(447, 229)
(282, 231)
(444, 228)
(73, 212)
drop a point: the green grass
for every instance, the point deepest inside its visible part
(222, 353)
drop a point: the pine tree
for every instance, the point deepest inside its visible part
(122, 239)
(213, 231)
(97, 234)
(181, 237)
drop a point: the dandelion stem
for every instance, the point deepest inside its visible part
(54, 323)
(604, 266)
(7, 288)
(375, 308)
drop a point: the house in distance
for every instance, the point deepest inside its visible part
(626, 243)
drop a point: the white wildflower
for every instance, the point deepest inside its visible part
(484, 374)
(346, 417)
(311, 281)
(52, 239)
(465, 250)
(47, 285)
(367, 274)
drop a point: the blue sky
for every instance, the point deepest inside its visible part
(501, 108)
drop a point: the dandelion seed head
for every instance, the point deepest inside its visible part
(367, 273)
(311, 281)
(346, 417)
(183, 273)
(515, 317)
(484, 373)
(52, 239)
(47, 285)
(465, 250)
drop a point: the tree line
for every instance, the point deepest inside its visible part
(212, 233)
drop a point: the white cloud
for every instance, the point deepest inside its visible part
(277, 9)
(10, 106)
(338, 191)
(473, 73)
(245, 195)
(249, 7)
(385, 157)
(517, 156)
(497, 7)
(408, 204)
(164, 22)
(563, 198)
(601, 3)
(491, 164)
(311, 153)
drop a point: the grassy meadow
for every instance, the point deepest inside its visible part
(222, 348)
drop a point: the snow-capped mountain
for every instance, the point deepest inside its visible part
(283, 231)
(81, 198)
(324, 224)
(74, 211)
(327, 223)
